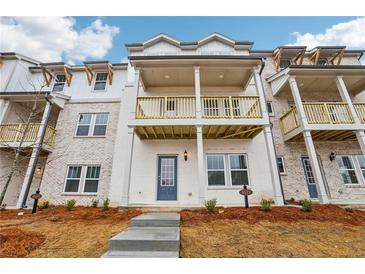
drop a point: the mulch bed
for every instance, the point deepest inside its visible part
(321, 213)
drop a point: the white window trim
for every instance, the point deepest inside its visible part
(284, 166)
(92, 124)
(94, 81)
(54, 82)
(81, 187)
(272, 113)
(230, 173)
(356, 169)
(224, 171)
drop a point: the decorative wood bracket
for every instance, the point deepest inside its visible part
(277, 58)
(298, 59)
(109, 69)
(47, 76)
(68, 75)
(338, 56)
(89, 74)
(315, 57)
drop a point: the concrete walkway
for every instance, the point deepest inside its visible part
(150, 235)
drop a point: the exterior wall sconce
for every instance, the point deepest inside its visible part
(185, 155)
(39, 171)
(332, 156)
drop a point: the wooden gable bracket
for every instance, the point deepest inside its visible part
(47, 75)
(109, 69)
(338, 56)
(277, 58)
(298, 59)
(315, 57)
(68, 75)
(89, 74)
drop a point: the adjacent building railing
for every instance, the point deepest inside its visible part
(328, 113)
(289, 121)
(15, 132)
(183, 107)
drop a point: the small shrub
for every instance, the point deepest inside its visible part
(350, 209)
(307, 205)
(45, 204)
(292, 200)
(210, 205)
(94, 203)
(70, 204)
(106, 204)
(266, 204)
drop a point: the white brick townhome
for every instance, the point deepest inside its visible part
(183, 122)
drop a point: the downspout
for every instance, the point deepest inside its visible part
(272, 139)
(38, 150)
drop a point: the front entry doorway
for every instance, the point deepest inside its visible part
(167, 178)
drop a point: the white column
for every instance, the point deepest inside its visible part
(201, 168)
(198, 108)
(269, 141)
(33, 158)
(322, 195)
(298, 101)
(4, 106)
(346, 98)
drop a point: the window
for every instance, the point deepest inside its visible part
(59, 82)
(269, 108)
(284, 63)
(281, 165)
(238, 170)
(92, 124)
(100, 81)
(216, 170)
(233, 175)
(322, 62)
(347, 169)
(82, 179)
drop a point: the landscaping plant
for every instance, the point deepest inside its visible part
(210, 205)
(106, 204)
(307, 205)
(44, 205)
(266, 204)
(70, 204)
(349, 209)
(94, 203)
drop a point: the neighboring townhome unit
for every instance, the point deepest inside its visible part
(79, 106)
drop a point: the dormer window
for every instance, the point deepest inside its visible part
(322, 62)
(284, 63)
(100, 81)
(59, 82)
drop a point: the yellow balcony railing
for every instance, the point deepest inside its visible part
(15, 133)
(328, 113)
(231, 107)
(289, 121)
(360, 110)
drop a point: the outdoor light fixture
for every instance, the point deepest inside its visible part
(167, 76)
(332, 156)
(185, 155)
(39, 171)
(221, 76)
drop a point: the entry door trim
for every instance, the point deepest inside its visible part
(172, 192)
(307, 179)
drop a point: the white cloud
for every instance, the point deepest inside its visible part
(51, 39)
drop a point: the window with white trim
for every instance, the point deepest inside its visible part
(82, 179)
(216, 175)
(92, 124)
(347, 169)
(361, 160)
(59, 82)
(284, 63)
(238, 169)
(270, 108)
(281, 165)
(322, 62)
(100, 81)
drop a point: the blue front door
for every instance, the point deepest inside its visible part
(167, 178)
(311, 182)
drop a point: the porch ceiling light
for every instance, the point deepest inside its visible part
(221, 76)
(167, 76)
(185, 155)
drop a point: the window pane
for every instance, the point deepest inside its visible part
(344, 162)
(72, 185)
(284, 63)
(239, 178)
(269, 107)
(349, 177)
(216, 178)
(60, 78)
(58, 87)
(361, 159)
(82, 131)
(280, 164)
(101, 118)
(101, 76)
(237, 161)
(100, 86)
(91, 186)
(93, 172)
(215, 162)
(99, 130)
(74, 172)
(85, 119)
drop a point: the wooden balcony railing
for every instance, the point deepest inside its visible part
(328, 113)
(231, 107)
(177, 107)
(360, 110)
(289, 121)
(14, 133)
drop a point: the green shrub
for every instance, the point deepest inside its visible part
(307, 205)
(210, 205)
(106, 204)
(70, 204)
(266, 204)
(350, 209)
(94, 203)
(292, 200)
(44, 205)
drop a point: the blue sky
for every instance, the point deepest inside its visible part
(265, 32)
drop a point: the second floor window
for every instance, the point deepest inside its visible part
(322, 62)
(270, 109)
(92, 124)
(59, 82)
(284, 63)
(100, 81)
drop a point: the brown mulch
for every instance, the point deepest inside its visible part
(321, 213)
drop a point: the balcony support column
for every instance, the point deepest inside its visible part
(201, 169)
(28, 178)
(4, 106)
(298, 101)
(260, 92)
(322, 194)
(198, 108)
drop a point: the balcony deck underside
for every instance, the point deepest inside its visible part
(326, 135)
(189, 132)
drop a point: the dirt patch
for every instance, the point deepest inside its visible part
(321, 213)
